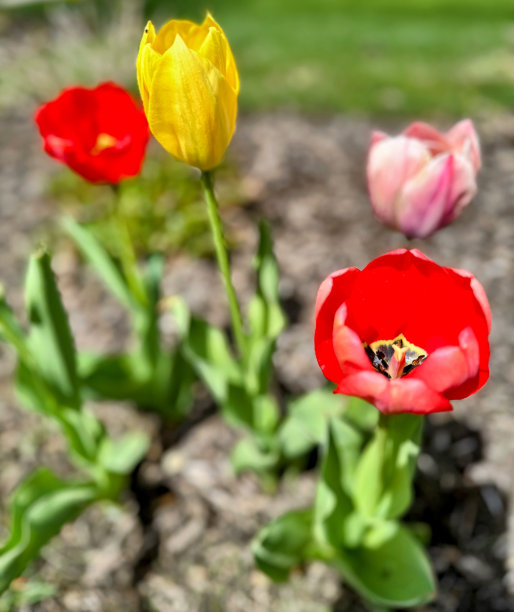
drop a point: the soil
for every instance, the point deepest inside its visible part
(180, 538)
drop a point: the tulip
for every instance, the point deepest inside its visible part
(189, 84)
(421, 180)
(100, 133)
(405, 334)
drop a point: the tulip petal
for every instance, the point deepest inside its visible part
(348, 347)
(392, 162)
(144, 68)
(332, 293)
(411, 395)
(426, 198)
(192, 109)
(191, 33)
(479, 293)
(431, 138)
(463, 139)
(230, 69)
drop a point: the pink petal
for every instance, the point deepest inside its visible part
(431, 138)
(464, 139)
(391, 163)
(426, 199)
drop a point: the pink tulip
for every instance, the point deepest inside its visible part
(421, 180)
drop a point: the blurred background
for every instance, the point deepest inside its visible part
(381, 57)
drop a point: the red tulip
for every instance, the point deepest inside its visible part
(99, 133)
(421, 180)
(405, 334)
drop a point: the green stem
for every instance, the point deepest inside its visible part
(382, 437)
(223, 264)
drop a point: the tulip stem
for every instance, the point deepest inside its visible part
(223, 263)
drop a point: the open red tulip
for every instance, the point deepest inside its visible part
(99, 133)
(405, 334)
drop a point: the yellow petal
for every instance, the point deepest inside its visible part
(192, 108)
(191, 33)
(214, 49)
(144, 62)
(230, 70)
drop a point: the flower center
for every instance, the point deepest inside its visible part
(104, 141)
(394, 358)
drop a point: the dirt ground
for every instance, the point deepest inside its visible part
(180, 539)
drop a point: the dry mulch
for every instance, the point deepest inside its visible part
(180, 540)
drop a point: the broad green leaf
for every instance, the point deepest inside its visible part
(389, 568)
(33, 392)
(247, 455)
(101, 261)
(386, 469)
(336, 523)
(50, 340)
(283, 544)
(40, 506)
(121, 456)
(112, 377)
(306, 423)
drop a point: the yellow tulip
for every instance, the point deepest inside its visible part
(189, 83)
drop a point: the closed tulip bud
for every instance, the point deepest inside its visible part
(421, 180)
(189, 83)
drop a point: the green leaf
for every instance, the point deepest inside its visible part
(265, 316)
(33, 393)
(385, 472)
(40, 506)
(390, 568)
(101, 261)
(121, 456)
(361, 414)
(336, 523)
(306, 423)
(248, 455)
(283, 544)
(206, 348)
(10, 330)
(265, 313)
(50, 340)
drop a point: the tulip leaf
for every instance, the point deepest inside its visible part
(101, 261)
(50, 340)
(389, 568)
(206, 348)
(306, 422)
(383, 479)
(283, 544)
(39, 507)
(121, 456)
(336, 523)
(10, 330)
(265, 313)
(248, 455)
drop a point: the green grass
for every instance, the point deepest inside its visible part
(389, 57)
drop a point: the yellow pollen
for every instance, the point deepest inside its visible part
(394, 358)
(104, 141)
